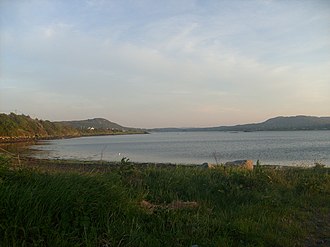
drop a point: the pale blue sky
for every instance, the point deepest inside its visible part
(165, 63)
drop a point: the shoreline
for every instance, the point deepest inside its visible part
(18, 139)
(74, 165)
(25, 153)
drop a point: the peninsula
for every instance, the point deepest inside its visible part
(15, 128)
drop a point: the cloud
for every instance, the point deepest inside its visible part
(183, 68)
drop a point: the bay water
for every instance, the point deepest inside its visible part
(269, 147)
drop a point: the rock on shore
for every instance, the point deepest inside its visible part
(246, 164)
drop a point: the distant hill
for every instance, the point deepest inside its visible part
(21, 127)
(273, 124)
(284, 123)
(96, 123)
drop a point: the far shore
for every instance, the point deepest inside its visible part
(16, 139)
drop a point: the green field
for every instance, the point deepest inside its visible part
(69, 203)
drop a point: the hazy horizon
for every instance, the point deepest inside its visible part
(152, 64)
(219, 125)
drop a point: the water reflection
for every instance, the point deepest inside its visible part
(19, 148)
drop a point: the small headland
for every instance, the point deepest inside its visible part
(22, 128)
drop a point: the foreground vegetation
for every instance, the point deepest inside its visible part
(62, 203)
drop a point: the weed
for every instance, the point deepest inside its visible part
(136, 205)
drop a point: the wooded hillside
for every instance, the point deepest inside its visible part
(15, 127)
(23, 126)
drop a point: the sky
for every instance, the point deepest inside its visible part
(165, 63)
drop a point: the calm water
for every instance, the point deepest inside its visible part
(287, 147)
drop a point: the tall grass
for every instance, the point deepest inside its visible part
(265, 207)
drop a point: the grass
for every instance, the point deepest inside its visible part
(148, 205)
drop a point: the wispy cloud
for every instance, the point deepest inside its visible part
(206, 64)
